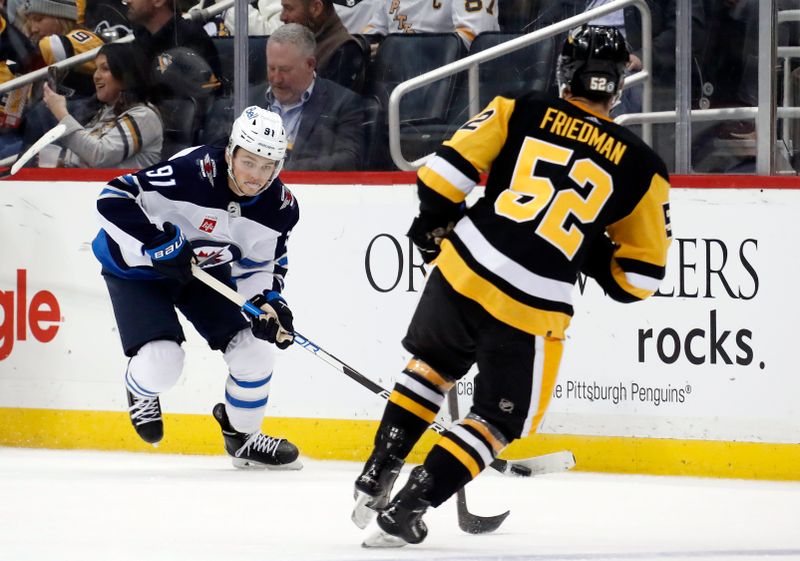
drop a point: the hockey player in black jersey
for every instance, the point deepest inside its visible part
(568, 192)
(226, 209)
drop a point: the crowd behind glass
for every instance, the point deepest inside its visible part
(328, 69)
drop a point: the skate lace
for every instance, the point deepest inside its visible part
(144, 410)
(260, 443)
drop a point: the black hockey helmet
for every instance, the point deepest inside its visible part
(592, 62)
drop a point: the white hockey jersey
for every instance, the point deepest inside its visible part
(468, 18)
(191, 191)
(356, 14)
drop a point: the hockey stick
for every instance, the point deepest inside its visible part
(537, 465)
(50, 136)
(468, 522)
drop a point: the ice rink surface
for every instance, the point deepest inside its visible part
(93, 506)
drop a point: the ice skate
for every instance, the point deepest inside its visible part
(256, 450)
(145, 415)
(374, 485)
(401, 522)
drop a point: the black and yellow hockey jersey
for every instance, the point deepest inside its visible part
(563, 184)
(55, 48)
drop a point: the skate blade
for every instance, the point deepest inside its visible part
(362, 513)
(241, 463)
(378, 539)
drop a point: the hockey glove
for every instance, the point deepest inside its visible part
(275, 325)
(427, 237)
(171, 254)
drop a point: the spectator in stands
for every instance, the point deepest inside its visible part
(17, 56)
(107, 18)
(323, 120)
(263, 17)
(159, 27)
(356, 14)
(732, 65)
(53, 26)
(125, 133)
(338, 54)
(664, 41)
(468, 18)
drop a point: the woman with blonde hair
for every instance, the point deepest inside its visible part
(53, 25)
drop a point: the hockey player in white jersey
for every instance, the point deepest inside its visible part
(225, 209)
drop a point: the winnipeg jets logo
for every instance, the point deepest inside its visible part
(210, 255)
(286, 197)
(208, 168)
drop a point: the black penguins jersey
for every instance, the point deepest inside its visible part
(562, 182)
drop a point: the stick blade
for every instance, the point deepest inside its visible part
(547, 463)
(472, 523)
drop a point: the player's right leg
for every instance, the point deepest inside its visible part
(442, 346)
(154, 368)
(247, 389)
(151, 335)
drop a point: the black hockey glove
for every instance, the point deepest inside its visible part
(427, 236)
(171, 254)
(275, 325)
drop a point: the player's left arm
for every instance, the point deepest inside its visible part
(262, 280)
(630, 262)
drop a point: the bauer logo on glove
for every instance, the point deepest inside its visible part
(171, 254)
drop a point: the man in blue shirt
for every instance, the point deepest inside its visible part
(323, 120)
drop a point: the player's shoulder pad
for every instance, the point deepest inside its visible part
(276, 207)
(203, 162)
(533, 98)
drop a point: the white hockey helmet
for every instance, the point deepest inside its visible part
(260, 132)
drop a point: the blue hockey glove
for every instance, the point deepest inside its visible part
(274, 326)
(427, 236)
(171, 254)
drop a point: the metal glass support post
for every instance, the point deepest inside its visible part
(683, 87)
(241, 55)
(765, 120)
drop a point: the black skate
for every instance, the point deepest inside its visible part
(145, 415)
(374, 485)
(401, 522)
(256, 450)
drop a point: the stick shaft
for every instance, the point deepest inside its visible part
(500, 465)
(50, 136)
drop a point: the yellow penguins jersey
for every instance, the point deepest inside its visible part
(55, 48)
(567, 191)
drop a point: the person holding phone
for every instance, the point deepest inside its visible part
(126, 132)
